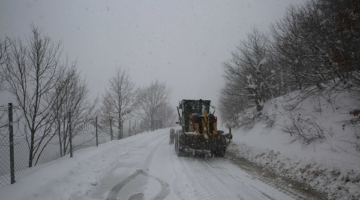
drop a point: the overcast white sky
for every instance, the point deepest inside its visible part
(180, 42)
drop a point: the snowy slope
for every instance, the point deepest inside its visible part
(330, 165)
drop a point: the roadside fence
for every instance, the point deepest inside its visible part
(16, 161)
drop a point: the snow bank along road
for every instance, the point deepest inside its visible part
(145, 166)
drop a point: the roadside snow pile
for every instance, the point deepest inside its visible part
(337, 181)
(311, 143)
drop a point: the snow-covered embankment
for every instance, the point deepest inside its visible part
(329, 163)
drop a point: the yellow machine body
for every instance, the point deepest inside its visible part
(199, 129)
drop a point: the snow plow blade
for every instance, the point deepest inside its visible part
(228, 136)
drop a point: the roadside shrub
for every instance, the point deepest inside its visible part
(306, 130)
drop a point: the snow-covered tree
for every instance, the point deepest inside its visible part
(250, 78)
(289, 52)
(315, 44)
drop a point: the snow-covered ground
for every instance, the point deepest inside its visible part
(330, 165)
(140, 167)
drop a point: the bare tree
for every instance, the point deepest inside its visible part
(234, 97)
(32, 73)
(120, 98)
(317, 45)
(325, 34)
(341, 32)
(290, 52)
(151, 99)
(4, 45)
(71, 99)
(107, 115)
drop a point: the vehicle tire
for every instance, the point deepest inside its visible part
(175, 142)
(172, 136)
(178, 145)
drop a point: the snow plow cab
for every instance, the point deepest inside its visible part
(199, 132)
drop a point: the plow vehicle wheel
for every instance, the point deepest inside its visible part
(172, 136)
(179, 146)
(221, 148)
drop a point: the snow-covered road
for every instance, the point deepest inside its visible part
(144, 166)
(152, 170)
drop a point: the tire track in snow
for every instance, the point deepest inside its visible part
(263, 193)
(151, 154)
(162, 194)
(217, 178)
(115, 190)
(226, 175)
(196, 181)
(220, 172)
(269, 181)
(222, 178)
(229, 184)
(187, 186)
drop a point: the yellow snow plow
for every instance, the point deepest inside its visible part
(199, 132)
